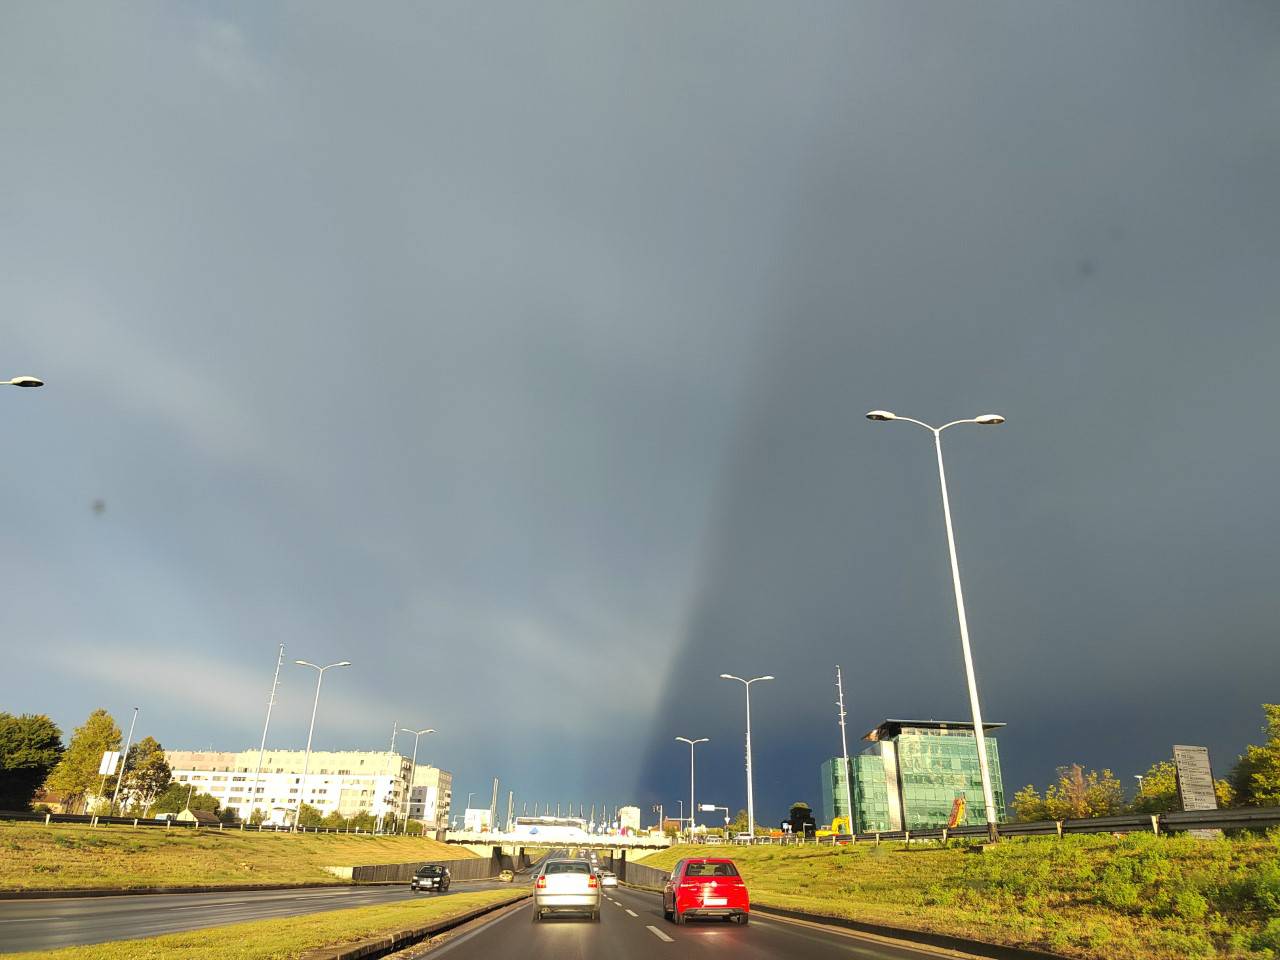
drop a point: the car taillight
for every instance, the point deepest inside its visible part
(592, 882)
(542, 882)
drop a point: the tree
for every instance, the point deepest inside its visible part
(1256, 777)
(30, 746)
(309, 816)
(1078, 794)
(180, 796)
(739, 824)
(1029, 806)
(77, 771)
(146, 774)
(1158, 792)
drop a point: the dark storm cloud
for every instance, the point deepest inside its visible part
(520, 353)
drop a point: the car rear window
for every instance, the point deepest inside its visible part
(568, 866)
(710, 870)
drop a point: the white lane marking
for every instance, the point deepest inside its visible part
(633, 913)
(658, 933)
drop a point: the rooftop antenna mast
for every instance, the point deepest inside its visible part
(271, 702)
(844, 750)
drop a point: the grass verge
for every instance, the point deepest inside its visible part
(1099, 898)
(74, 857)
(279, 939)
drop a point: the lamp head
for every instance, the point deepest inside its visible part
(881, 415)
(27, 382)
(989, 419)
(766, 678)
(343, 663)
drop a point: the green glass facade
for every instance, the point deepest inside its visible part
(910, 776)
(934, 767)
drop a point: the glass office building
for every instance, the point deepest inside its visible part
(910, 775)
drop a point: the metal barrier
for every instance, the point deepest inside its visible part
(94, 820)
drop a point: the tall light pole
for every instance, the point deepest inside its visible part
(751, 808)
(408, 794)
(844, 750)
(986, 420)
(692, 807)
(262, 749)
(306, 761)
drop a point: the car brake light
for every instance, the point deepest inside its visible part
(591, 881)
(542, 882)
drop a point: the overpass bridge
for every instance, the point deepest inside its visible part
(487, 842)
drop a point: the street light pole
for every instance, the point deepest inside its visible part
(751, 809)
(692, 807)
(408, 794)
(986, 419)
(306, 761)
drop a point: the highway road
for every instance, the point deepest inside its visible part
(631, 927)
(45, 924)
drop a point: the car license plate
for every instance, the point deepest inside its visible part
(716, 901)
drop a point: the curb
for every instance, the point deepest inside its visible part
(240, 888)
(976, 948)
(392, 942)
(147, 891)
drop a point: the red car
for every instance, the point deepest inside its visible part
(705, 887)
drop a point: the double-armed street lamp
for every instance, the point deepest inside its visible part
(408, 794)
(751, 809)
(986, 420)
(692, 744)
(306, 761)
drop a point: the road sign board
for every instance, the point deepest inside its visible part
(110, 761)
(1195, 783)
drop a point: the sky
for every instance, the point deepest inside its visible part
(519, 354)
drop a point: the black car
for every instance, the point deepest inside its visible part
(431, 877)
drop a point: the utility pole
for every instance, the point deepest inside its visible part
(124, 764)
(844, 750)
(271, 702)
(511, 807)
(493, 806)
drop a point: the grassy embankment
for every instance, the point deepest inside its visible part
(281, 938)
(36, 857)
(1102, 898)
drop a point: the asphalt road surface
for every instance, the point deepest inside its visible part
(631, 927)
(45, 924)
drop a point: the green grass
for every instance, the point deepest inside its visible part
(35, 857)
(279, 939)
(1102, 898)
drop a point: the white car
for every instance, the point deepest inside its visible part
(608, 878)
(566, 886)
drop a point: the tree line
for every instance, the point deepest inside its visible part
(1254, 781)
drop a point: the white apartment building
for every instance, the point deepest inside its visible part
(431, 798)
(348, 782)
(629, 819)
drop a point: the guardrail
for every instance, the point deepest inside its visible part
(1241, 818)
(94, 821)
